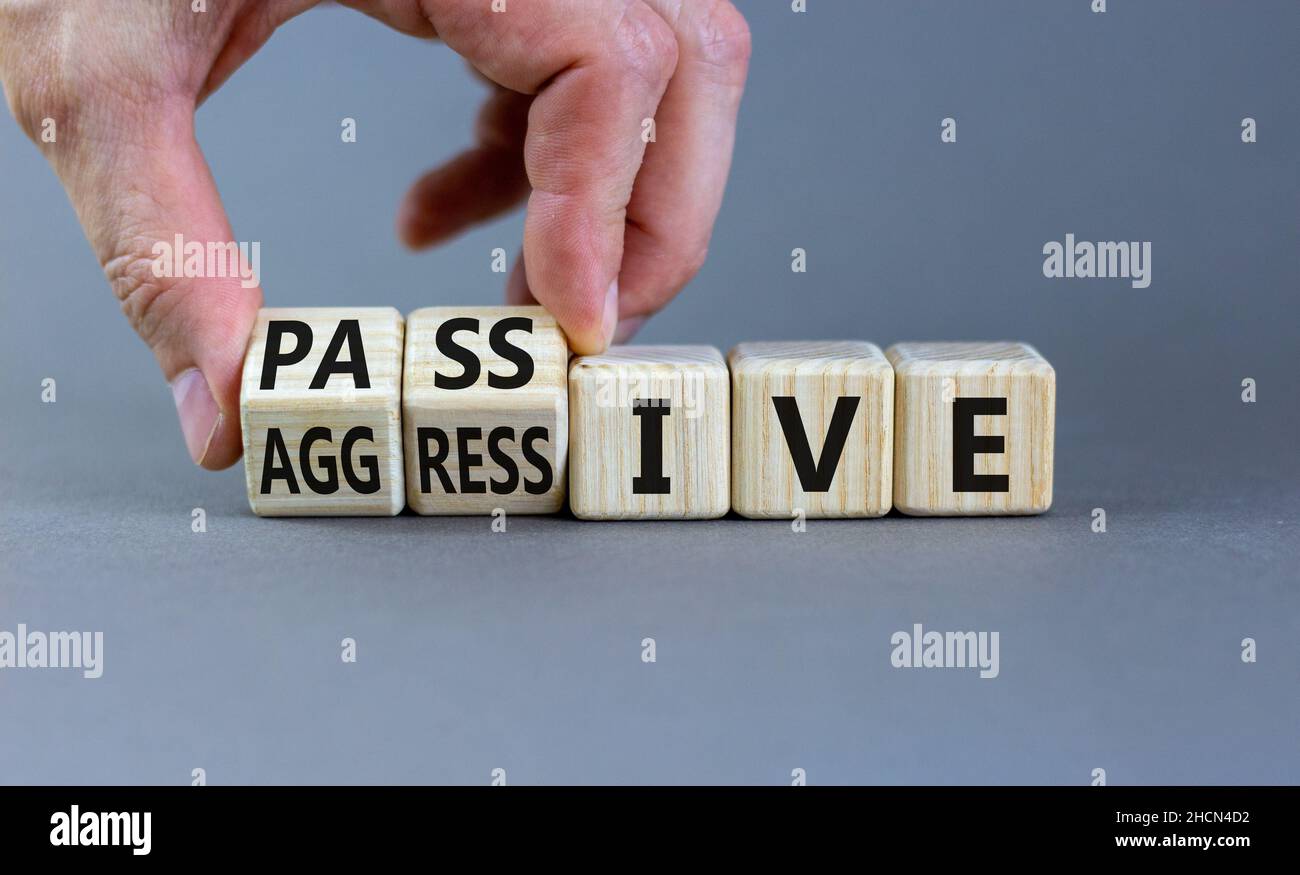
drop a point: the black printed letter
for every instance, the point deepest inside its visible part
(511, 353)
(369, 463)
(965, 444)
(448, 346)
(349, 330)
(542, 484)
(277, 466)
(818, 477)
(330, 484)
(652, 480)
(273, 357)
(435, 462)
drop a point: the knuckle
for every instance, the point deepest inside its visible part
(139, 287)
(33, 63)
(688, 266)
(32, 98)
(722, 36)
(57, 64)
(23, 106)
(646, 44)
(696, 259)
(671, 271)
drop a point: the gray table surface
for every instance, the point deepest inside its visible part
(522, 650)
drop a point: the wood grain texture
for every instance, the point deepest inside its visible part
(542, 403)
(606, 436)
(816, 374)
(292, 408)
(928, 377)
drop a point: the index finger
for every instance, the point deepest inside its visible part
(597, 70)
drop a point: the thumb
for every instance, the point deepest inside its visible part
(153, 215)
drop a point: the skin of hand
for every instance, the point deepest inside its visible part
(615, 227)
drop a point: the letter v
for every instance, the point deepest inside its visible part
(815, 478)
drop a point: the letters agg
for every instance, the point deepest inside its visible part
(475, 410)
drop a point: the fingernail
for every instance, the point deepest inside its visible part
(610, 324)
(627, 328)
(198, 411)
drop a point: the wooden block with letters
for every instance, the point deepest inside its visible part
(320, 408)
(974, 429)
(812, 429)
(650, 430)
(485, 409)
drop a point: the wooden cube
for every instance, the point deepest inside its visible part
(650, 431)
(320, 408)
(974, 426)
(812, 429)
(485, 410)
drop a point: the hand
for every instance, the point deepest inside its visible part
(614, 227)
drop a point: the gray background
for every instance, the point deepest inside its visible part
(522, 651)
